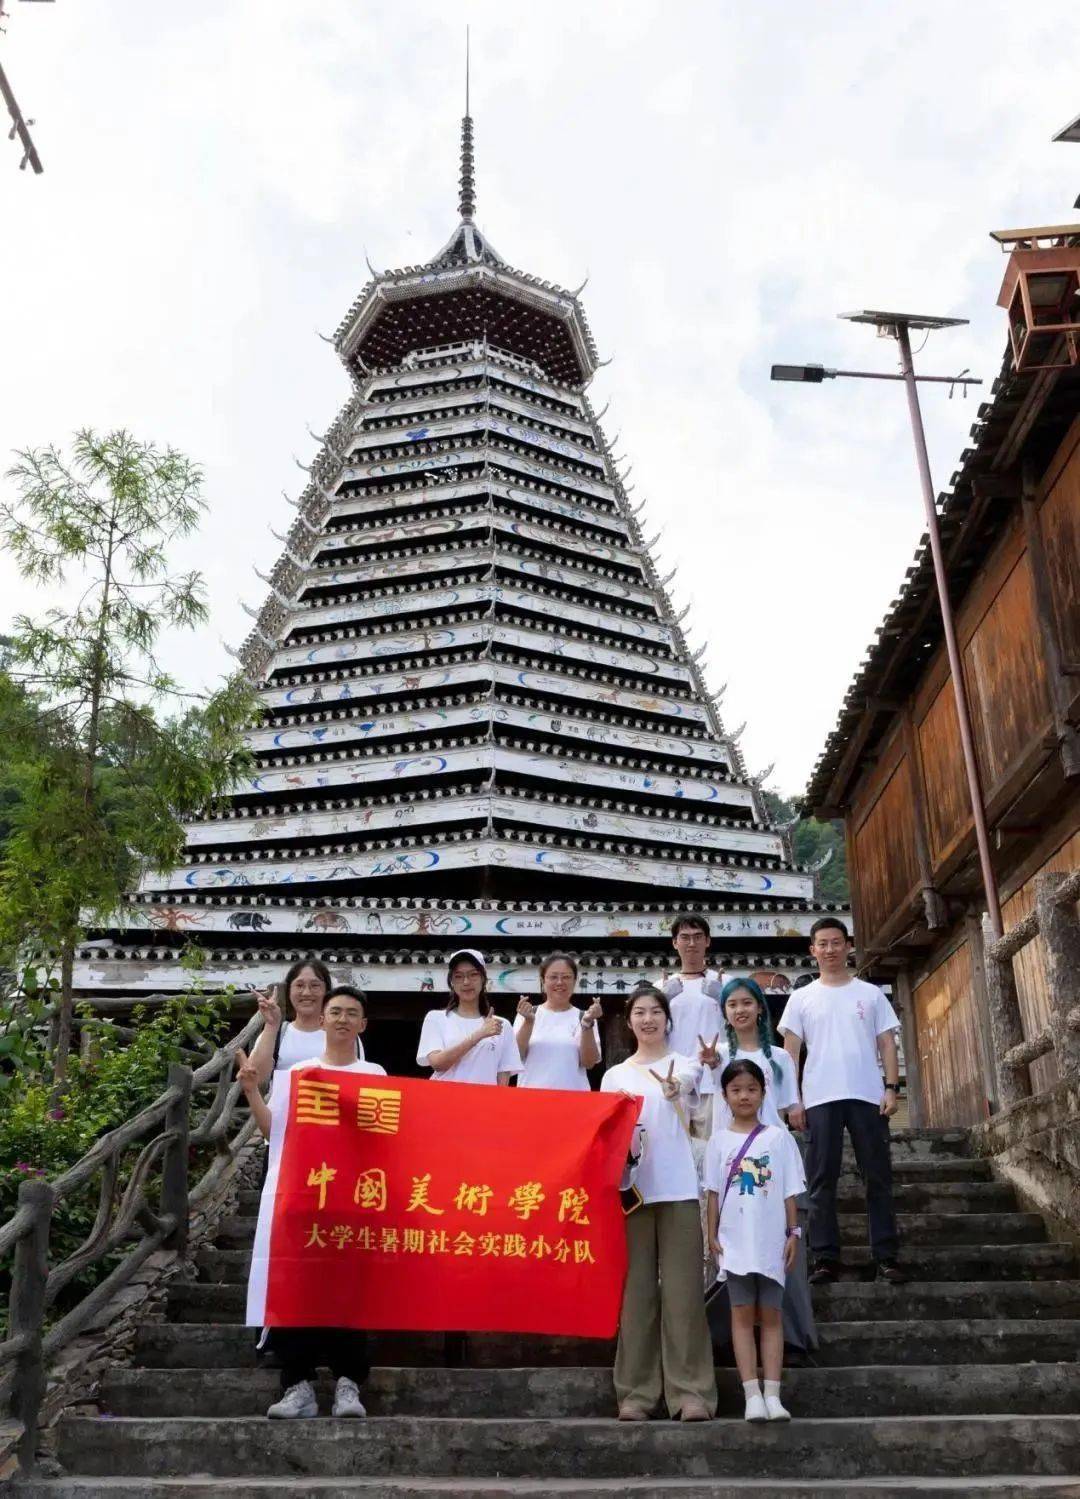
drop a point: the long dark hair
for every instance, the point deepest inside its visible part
(453, 1001)
(320, 970)
(764, 1024)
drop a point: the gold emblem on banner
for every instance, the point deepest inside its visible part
(378, 1110)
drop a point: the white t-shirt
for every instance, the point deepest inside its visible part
(554, 1059)
(300, 1046)
(694, 1014)
(753, 1223)
(778, 1095)
(667, 1172)
(483, 1063)
(840, 1025)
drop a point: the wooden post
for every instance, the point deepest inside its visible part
(905, 997)
(989, 1069)
(174, 1165)
(1059, 928)
(1003, 1006)
(29, 1273)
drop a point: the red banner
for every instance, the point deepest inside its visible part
(407, 1204)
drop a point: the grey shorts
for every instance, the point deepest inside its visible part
(754, 1290)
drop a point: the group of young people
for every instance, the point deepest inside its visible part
(715, 1092)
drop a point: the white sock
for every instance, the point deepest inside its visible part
(772, 1387)
(752, 1388)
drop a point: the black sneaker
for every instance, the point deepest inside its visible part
(825, 1272)
(890, 1271)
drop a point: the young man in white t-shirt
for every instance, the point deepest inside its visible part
(694, 996)
(849, 1028)
(301, 1351)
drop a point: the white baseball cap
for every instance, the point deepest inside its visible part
(467, 952)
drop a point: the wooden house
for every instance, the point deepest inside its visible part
(892, 768)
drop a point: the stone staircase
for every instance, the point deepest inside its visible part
(966, 1381)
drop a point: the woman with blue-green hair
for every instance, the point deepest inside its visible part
(748, 1034)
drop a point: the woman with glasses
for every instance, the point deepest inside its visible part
(282, 1043)
(466, 1042)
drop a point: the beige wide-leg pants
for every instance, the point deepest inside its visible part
(664, 1344)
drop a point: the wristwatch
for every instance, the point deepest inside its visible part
(892, 1087)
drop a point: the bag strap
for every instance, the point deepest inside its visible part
(736, 1163)
(277, 1042)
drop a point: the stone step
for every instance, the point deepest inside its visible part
(846, 1301)
(968, 1262)
(930, 1301)
(935, 1197)
(556, 1394)
(467, 1447)
(967, 1341)
(915, 1228)
(995, 1486)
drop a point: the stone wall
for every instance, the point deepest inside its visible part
(1035, 1145)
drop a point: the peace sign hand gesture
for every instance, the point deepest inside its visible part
(268, 1008)
(708, 1054)
(669, 1085)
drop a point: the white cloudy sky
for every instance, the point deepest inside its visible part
(730, 175)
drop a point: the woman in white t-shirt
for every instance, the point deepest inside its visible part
(664, 1348)
(282, 1043)
(753, 1175)
(557, 1042)
(467, 1042)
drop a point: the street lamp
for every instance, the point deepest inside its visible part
(898, 325)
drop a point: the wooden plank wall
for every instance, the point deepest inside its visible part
(950, 1065)
(1029, 964)
(885, 848)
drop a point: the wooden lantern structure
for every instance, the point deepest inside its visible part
(1041, 291)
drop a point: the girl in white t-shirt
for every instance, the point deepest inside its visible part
(748, 1034)
(467, 1042)
(557, 1043)
(753, 1174)
(664, 1349)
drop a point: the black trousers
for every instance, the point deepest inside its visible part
(303, 1350)
(869, 1131)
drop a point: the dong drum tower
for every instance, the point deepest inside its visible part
(480, 722)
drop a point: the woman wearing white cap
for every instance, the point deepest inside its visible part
(467, 1042)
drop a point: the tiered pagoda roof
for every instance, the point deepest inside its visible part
(480, 717)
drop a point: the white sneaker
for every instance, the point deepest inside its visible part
(774, 1410)
(347, 1400)
(755, 1408)
(298, 1400)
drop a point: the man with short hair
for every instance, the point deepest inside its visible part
(696, 1015)
(301, 1351)
(849, 1028)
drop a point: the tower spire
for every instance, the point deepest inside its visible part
(467, 199)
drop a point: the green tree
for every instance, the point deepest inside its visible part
(811, 841)
(97, 783)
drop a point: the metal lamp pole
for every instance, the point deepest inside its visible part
(899, 325)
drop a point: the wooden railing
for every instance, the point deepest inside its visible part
(1055, 920)
(181, 1120)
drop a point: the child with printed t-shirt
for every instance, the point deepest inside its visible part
(753, 1174)
(849, 1028)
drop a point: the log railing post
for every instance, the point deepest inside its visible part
(1059, 928)
(29, 1273)
(1003, 1006)
(174, 1163)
